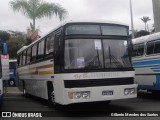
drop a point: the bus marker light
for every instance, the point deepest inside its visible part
(70, 95)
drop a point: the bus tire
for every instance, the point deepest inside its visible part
(155, 92)
(108, 102)
(51, 96)
(11, 82)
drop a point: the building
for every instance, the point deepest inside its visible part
(156, 12)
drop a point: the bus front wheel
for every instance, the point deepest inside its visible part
(51, 99)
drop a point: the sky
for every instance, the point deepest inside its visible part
(112, 10)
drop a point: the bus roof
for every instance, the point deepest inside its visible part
(96, 21)
(23, 48)
(80, 21)
(146, 38)
(13, 60)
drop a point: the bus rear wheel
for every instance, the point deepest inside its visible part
(24, 90)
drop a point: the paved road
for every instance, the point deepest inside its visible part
(14, 101)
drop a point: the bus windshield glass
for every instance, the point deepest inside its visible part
(96, 30)
(96, 54)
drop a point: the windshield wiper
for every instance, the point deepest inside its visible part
(126, 61)
(116, 62)
(91, 62)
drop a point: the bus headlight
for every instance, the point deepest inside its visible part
(129, 91)
(86, 95)
(79, 95)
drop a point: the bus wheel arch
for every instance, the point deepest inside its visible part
(50, 90)
(51, 96)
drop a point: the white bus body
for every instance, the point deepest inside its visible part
(146, 54)
(66, 81)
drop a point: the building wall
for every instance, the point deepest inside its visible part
(156, 12)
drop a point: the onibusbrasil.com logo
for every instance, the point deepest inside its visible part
(21, 114)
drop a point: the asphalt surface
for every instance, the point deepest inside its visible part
(146, 103)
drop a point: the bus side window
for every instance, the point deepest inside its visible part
(157, 47)
(140, 50)
(34, 52)
(28, 55)
(150, 48)
(49, 45)
(24, 58)
(41, 49)
(134, 53)
(20, 59)
(57, 53)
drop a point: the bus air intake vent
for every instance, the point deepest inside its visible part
(97, 82)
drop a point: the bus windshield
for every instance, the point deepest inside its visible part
(96, 54)
(96, 30)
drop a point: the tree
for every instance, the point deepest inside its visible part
(36, 9)
(141, 33)
(145, 19)
(14, 45)
(4, 35)
(16, 41)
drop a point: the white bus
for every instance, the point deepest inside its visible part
(146, 54)
(12, 73)
(1, 91)
(79, 62)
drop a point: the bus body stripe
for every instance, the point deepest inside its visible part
(34, 70)
(46, 72)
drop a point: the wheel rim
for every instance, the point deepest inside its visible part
(11, 83)
(24, 91)
(53, 98)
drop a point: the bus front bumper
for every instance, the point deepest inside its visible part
(103, 93)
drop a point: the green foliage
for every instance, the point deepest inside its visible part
(36, 9)
(14, 42)
(145, 19)
(28, 41)
(141, 33)
(4, 35)
(14, 45)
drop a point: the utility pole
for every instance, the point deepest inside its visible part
(132, 28)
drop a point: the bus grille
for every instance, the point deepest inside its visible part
(97, 82)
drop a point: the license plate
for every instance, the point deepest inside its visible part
(107, 92)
